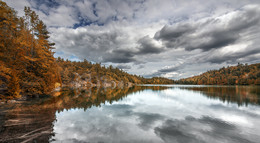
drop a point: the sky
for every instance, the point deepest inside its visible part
(167, 38)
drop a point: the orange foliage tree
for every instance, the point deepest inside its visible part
(25, 54)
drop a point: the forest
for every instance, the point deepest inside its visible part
(28, 66)
(241, 74)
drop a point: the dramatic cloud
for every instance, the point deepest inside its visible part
(169, 71)
(170, 68)
(213, 33)
(229, 38)
(173, 39)
(149, 46)
(120, 56)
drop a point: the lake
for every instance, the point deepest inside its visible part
(141, 114)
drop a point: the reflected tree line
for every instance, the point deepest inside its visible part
(242, 95)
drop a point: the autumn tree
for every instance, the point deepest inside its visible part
(27, 53)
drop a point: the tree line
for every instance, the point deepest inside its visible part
(95, 73)
(241, 74)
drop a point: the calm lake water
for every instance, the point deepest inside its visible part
(178, 113)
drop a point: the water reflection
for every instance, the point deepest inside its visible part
(137, 114)
(200, 130)
(33, 120)
(242, 95)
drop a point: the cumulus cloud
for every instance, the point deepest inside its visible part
(120, 56)
(212, 33)
(170, 68)
(149, 46)
(91, 43)
(229, 54)
(172, 71)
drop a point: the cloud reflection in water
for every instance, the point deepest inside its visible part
(171, 115)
